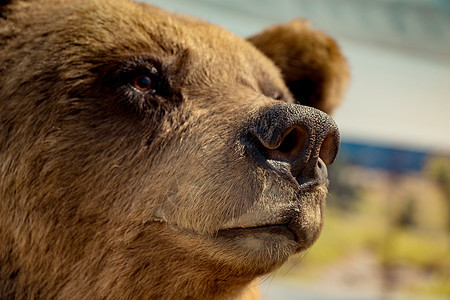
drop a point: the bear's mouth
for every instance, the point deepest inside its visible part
(281, 229)
(293, 225)
(298, 221)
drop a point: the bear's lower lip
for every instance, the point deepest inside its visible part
(281, 229)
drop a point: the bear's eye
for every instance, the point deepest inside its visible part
(142, 83)
(278, 96)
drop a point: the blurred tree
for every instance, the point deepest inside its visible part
(344, 193)
(406, 216)
(438, 168)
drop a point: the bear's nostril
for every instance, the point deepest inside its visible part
(292, 142)
(291, 146)
(288, 149)
(329, 148)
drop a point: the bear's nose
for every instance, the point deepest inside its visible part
(302, 137)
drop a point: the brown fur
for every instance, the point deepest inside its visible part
(105, 193)
(312, 66)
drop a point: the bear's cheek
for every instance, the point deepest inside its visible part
(213, 190)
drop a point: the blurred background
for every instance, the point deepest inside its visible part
(387, 226)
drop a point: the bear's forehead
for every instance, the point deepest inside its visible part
(88, 32)
(130, 27)
(146, 29)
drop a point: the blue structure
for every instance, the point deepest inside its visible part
(383, 157)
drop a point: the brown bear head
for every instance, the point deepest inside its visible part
(150, 155)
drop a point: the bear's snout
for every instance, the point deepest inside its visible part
(295, 141)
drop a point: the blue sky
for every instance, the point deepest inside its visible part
(396, 98)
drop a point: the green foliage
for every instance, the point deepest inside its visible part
(416, 248)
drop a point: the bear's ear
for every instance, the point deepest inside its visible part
(311, 63)
(3, 8)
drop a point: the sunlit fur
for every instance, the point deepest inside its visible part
(106, 196)
(312, 66)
